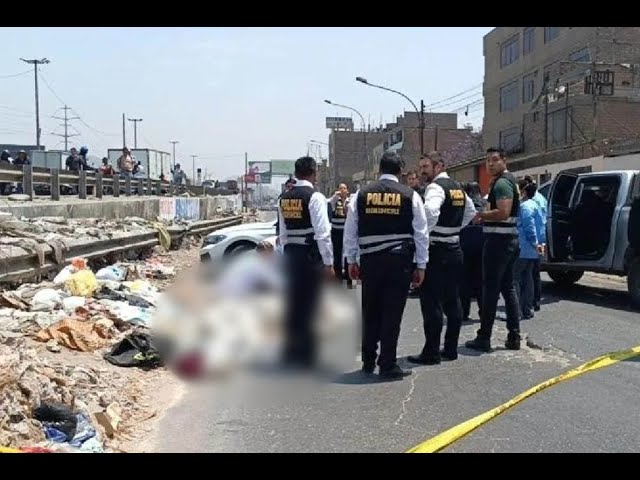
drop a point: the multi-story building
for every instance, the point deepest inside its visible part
(441, 133)
(347, 154)
(558, 94)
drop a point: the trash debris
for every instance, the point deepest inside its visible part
(135, 350)
(59, 421)
(82, 283)
(12, 300)
(128, 313)
(52, 346)
(71, 304)
(113, 273)
(64, 275)
(110, 419)
(46, 300)
(77, 335)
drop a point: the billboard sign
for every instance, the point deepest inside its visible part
(345, 123)
(259, 172)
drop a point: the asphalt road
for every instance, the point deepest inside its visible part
(596, 412)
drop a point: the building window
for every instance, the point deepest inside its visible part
(509, 51)
(551, 33)
(528, 40)
(536, 116)
(528, 87)
(509, 97)
(510, 140)
(581, 55)
(603, 84)
(557, 128)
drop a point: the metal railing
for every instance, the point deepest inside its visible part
(24, 264)
(116, 185)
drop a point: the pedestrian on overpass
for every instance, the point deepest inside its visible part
(305, 235)
(5, 159)
(500, 252)
(387, 226)
(448, 209)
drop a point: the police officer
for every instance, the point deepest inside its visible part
(448, 209)
(387, 226)
(499, 253)
(288, 185)
(338, 205)
(305, 235)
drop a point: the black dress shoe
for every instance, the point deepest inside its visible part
(424, 359)
(368, 368)
(512, 343)
(536, 308)
(479, 344)
(448, 356)
(394, 373)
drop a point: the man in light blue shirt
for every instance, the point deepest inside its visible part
(529, 245)
(541, 231)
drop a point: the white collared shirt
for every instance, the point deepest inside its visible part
(420, 233)
(434, 197)
(319, 221)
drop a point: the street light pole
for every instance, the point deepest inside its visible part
(135, 130)
(35, 63)
(193, 160)
(174, 152)
(419, 112)
(364, 136)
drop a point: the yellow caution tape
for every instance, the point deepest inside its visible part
(9, 450)
(447, 437)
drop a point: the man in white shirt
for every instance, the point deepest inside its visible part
(305, 236)
(386, 226)
(448, 209)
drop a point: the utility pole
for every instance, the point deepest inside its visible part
(246, 187)
(35, 64)
(193, 162)
(66, 134)
(135, 130)
(174, 152)
(421, 120)
(124, 132)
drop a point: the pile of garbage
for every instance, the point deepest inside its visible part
(106, 314)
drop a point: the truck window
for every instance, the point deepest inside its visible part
(563, 190)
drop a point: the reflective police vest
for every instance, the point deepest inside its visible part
(339, 215)
(447, 230)
(294, 207)
(385, 217)
(508, 227)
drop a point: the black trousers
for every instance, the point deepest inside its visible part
(499, 255)
(340, 265)
(537, 284)
(385, 286)
(471, 285)
(440, 293)
(304, 281)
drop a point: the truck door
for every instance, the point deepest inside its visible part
(559, 216)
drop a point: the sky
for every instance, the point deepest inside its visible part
(221, 92)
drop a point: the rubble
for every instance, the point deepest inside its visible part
(55, 355)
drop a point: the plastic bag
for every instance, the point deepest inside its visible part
(82, 284)
(46, 300)
(70, 304)
(65, 274)
(112, 273)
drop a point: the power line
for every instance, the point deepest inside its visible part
(13, 75)
(454, 96)
(50, 88)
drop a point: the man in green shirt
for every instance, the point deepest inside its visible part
(500, 251)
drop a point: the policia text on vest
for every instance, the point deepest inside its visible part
(305, 233)
(386, 225)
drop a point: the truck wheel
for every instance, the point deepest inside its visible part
(633, 282)
(565, 278)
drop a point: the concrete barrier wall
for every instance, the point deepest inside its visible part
(148, 208)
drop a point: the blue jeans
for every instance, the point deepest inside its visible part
(523, 277)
